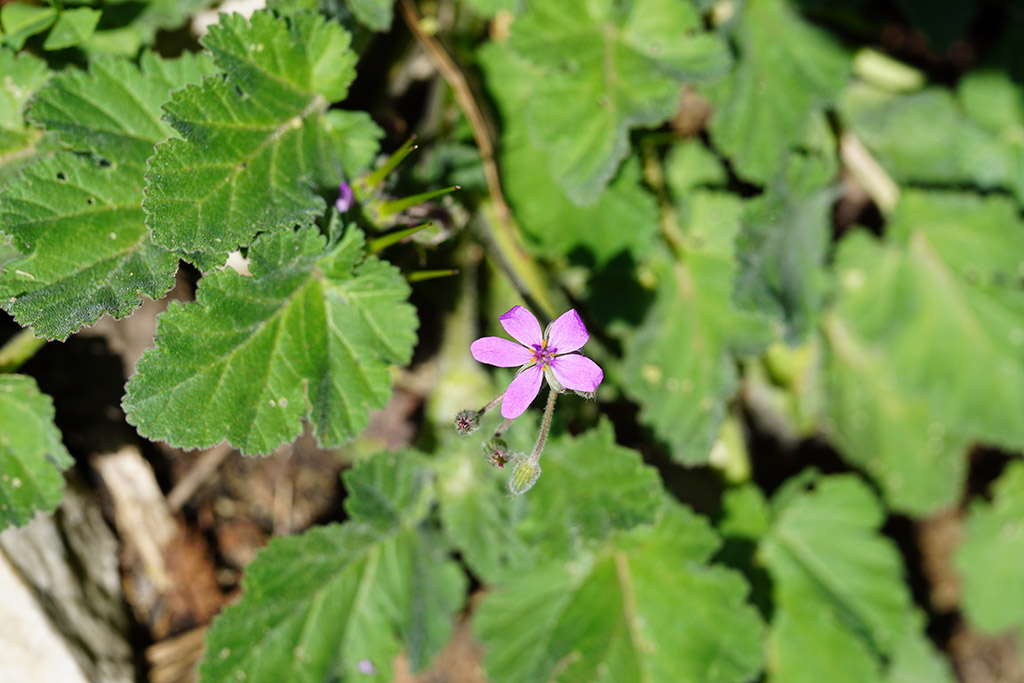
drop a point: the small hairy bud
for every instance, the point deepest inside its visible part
(466, 422)
(524, 476)
(496, 451)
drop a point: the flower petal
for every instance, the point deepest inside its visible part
(521, 392)
(500, 352)
(522, 325)
(577, 372)
(567, 333)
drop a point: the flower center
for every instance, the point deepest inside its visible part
(542, 354)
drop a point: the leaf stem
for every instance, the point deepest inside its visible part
(493, 402)
(654, 175)
(19, 349)
(500, 231)
(545, 427)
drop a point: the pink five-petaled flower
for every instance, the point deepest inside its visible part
(549, 355)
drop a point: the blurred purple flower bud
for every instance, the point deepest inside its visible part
(345, 197)
(366, 666)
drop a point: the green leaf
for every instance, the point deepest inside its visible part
(73, 27)
(255, 145)
(689, 164)
(903, 405)
(926, 138)
(32, 456)
(841, 605)
(782, 244)
(787, 69)
(988, 558)
(478, 515)
(78, 223)
(611, 490)
(553, 223)
(23, 74)
(606, 69)
(375, 14)
(637, 610)
(21, 22)
(340, 602)
(309, 335)
(355, 137)
(679, 365)
(390, 488)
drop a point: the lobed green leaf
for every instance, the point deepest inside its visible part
(551, 221)
(309, 335)
(256, 144)
(76, 221)
(902, 405)
(637, 609)
(842, 609)
(680, 362)
(605, 69)
(787, 69)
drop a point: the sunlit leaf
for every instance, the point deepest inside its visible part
(341, 602)
(680, 363)
(904, 405)
(785, 70)
(638, 609)
(77, 221)
(605, 69)
(255, 146)
(842, 608)
(556, 225)
(309, 335)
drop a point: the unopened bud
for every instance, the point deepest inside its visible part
(524, 476)
(496, 451)
(467, 421)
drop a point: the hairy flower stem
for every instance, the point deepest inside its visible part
(545, 427)
(493, 402)
(502, 428)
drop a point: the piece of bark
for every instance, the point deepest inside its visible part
(62, 597)
(169, 576)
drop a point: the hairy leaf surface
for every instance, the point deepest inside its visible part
(340, 602)
(309, 335)
(77, 222)
(255, 146)
(637, 609)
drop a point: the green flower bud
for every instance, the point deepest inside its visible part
(524, 476)
(497, 452)
(467, 421)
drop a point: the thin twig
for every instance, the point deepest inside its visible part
(205, 465)
(502, 235)
(451, 73)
